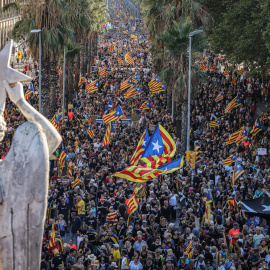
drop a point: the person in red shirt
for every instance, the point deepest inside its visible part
(70, 115)
(234, 232)
(245, 143)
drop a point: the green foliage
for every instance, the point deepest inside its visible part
(242, 32)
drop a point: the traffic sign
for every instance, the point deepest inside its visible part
(19, 55)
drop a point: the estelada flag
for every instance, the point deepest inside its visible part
(111, 48)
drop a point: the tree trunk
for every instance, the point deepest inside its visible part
(54, 88)
(69, 82)
(45, 87)
(184, 112)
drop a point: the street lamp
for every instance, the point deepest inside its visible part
(64, 83)
(189, 85)
(38, 31)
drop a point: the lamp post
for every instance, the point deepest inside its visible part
(64, 83)
(38, 31)
(189, 85)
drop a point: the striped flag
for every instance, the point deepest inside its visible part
(112, 237)
(220, 96)
(256, 127)
(160, 144)
(160, 89)
(113, 116)
(90, 132)
(228, 161)
(132, 92)
(126, 84)
(189, 247)
(52, 237)
(49, 211)
(140, 148)
(107, 137)
(135, 78)
(234, 80)
(104, 71)
(234, 103)
(172, 166)
(155, 84)
(226, 72)
(29, 91)
(238, 170)
(215, 123)
(132, 204)
(128, 58)
(76, 182)
(112, 219)
(92, 87)
(89, 119)
(241, 136)
(111, 48)
(118, 60)
(69, 169)
(202, 67)
(234, 136)
(61, 159)
(232, 200)
(55, 121)
(145, 105)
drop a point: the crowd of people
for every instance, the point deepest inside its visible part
(168, 230)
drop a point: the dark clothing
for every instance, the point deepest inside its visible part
(75, 224)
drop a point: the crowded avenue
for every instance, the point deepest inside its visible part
(123, 191)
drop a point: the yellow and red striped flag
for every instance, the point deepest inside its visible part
(90, 132)
(234, 136)
(52, 236)
(226, 72)
(202, 67)
(145, 105)
(118, 60)
(92, 87)
(256, 127)
(113, 116)
(107, 137)
(61, 159)
(189, 247)
(29, 91)
(140, 148)
(132, 204)
(155, 84)
(220, 96)
(76, 182)
(238, 170)
(89, 119)
(69, 169)
(215, 123)
(128, 58)
(55, 121)
(233, 104)
(104, 71)
(126, 84)
(228, 161)
(111, 48)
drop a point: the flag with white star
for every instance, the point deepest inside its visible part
(260, 205)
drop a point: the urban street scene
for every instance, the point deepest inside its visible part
(134, 134)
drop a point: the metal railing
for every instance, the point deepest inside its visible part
(9, 14)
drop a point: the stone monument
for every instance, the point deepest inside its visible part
(24, 175)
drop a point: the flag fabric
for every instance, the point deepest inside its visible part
(189, 247)
(107, 137)
(111, 48)
(90, 132)
(143, 142)
(172, 166)
(135, 78)
(132, 92)
(109, 106)
(126, 84)
(29, 91)
(234, 136)
(49, 211)
(118, 60)
(113, 116)
(220, 96)
(76, 182)
(128, 58)
(226, 72)
(52, 237)
(92, 87)
(89, 119)
(61, 159)
(69, 169)
(208, 205)
(241, 71)
(238, 170)
(112, 128)
(55, 121)
(232, 200)
(161, 89)
(234, 103)
(256, 127)
(155, 84)
(215, 123)
(202, 67)
(234, 80)
(132, 204)
(260, 205)
(241, 136)
(104, 71)
(145, 105)
(160, 144)
(228, 161)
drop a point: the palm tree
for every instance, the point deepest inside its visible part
(175, 75)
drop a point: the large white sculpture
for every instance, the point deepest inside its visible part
(24, 176)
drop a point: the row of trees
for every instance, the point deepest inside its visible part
(69, 24)
(169, 23)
